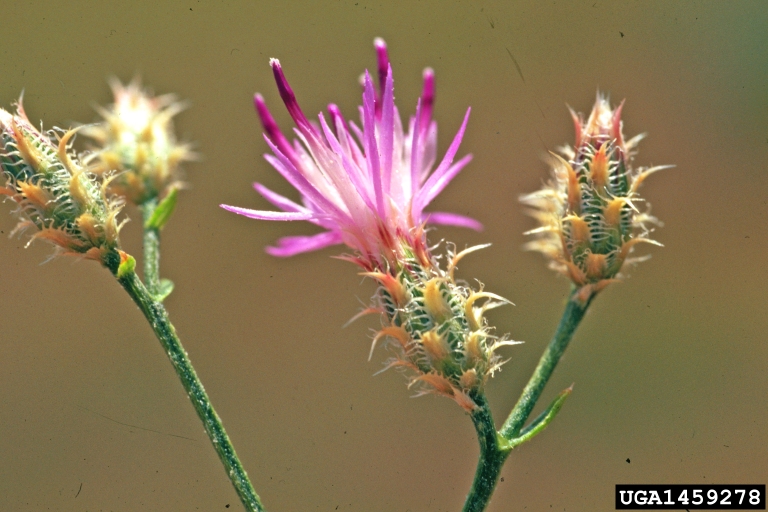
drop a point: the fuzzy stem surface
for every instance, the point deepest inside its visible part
(492, 457)
(496, 446)
(574, 312)
(151, 249)
(158, 319)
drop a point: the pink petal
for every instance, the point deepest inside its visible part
(292, 245)
(351, 169)
(416, 149)
(386, 131)
(427, 194)
(427, 97)
(384, 71)
(281, 163)
(452, 219)
(267, 215)
(444, 172)
(371, 148)
(289, 98)
(348, 145)
(276, 199)
(272, 130)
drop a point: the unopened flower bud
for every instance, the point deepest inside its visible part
(56, 196)
(137, 141)
(589, 213)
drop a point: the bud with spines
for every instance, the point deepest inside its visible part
(137, 141)
(436, 330)
(589, 213)
(56, 196)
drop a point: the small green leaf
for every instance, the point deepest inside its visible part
(540, 423)
(163, 211)
(126, 267)
(164, 289)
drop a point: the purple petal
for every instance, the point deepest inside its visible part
(272, 130)
(386, 131)
(337, 118)
(345, 139)
(427, 97)
(444, 172)
(292, 245)
(357, 132)
(427, 194)
(452, 219)
(266, 215)
(384, 69)
(371, 149)
(351, 170)
(289, 98)
(416, 150)
(299, 181)
(276, 199)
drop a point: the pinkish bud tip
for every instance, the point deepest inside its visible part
(427, 97)
(289, 98)
(383, 62)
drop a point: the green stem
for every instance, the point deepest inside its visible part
(493, 453)
(158, 320)
(496, 446)
(574, 312)
(151, 248)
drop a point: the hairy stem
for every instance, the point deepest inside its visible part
(492, 456)
(158, 319)
(151, 248)
(574, 312)
(496, 446)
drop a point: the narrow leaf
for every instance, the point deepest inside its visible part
(540, 423)
(163, 211)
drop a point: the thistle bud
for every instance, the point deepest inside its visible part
(137, 140)
(57, 198)
(589, 213)
(436, 331)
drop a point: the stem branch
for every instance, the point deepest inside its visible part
(574, 312)
(492, 457)
(496, 446)
(158, 320)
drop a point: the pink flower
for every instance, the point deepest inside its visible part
(368, 187)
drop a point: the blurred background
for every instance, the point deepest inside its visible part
(669, 367)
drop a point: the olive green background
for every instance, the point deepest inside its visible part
(669, 366)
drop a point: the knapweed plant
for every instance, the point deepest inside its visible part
(368, 186)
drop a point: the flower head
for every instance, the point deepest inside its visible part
(56, 196)
(589, 216)
(367, 187)
(137, 140)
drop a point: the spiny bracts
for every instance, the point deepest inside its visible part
(56, 195)
(589, 216)
(137, 141)
(436, 329)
